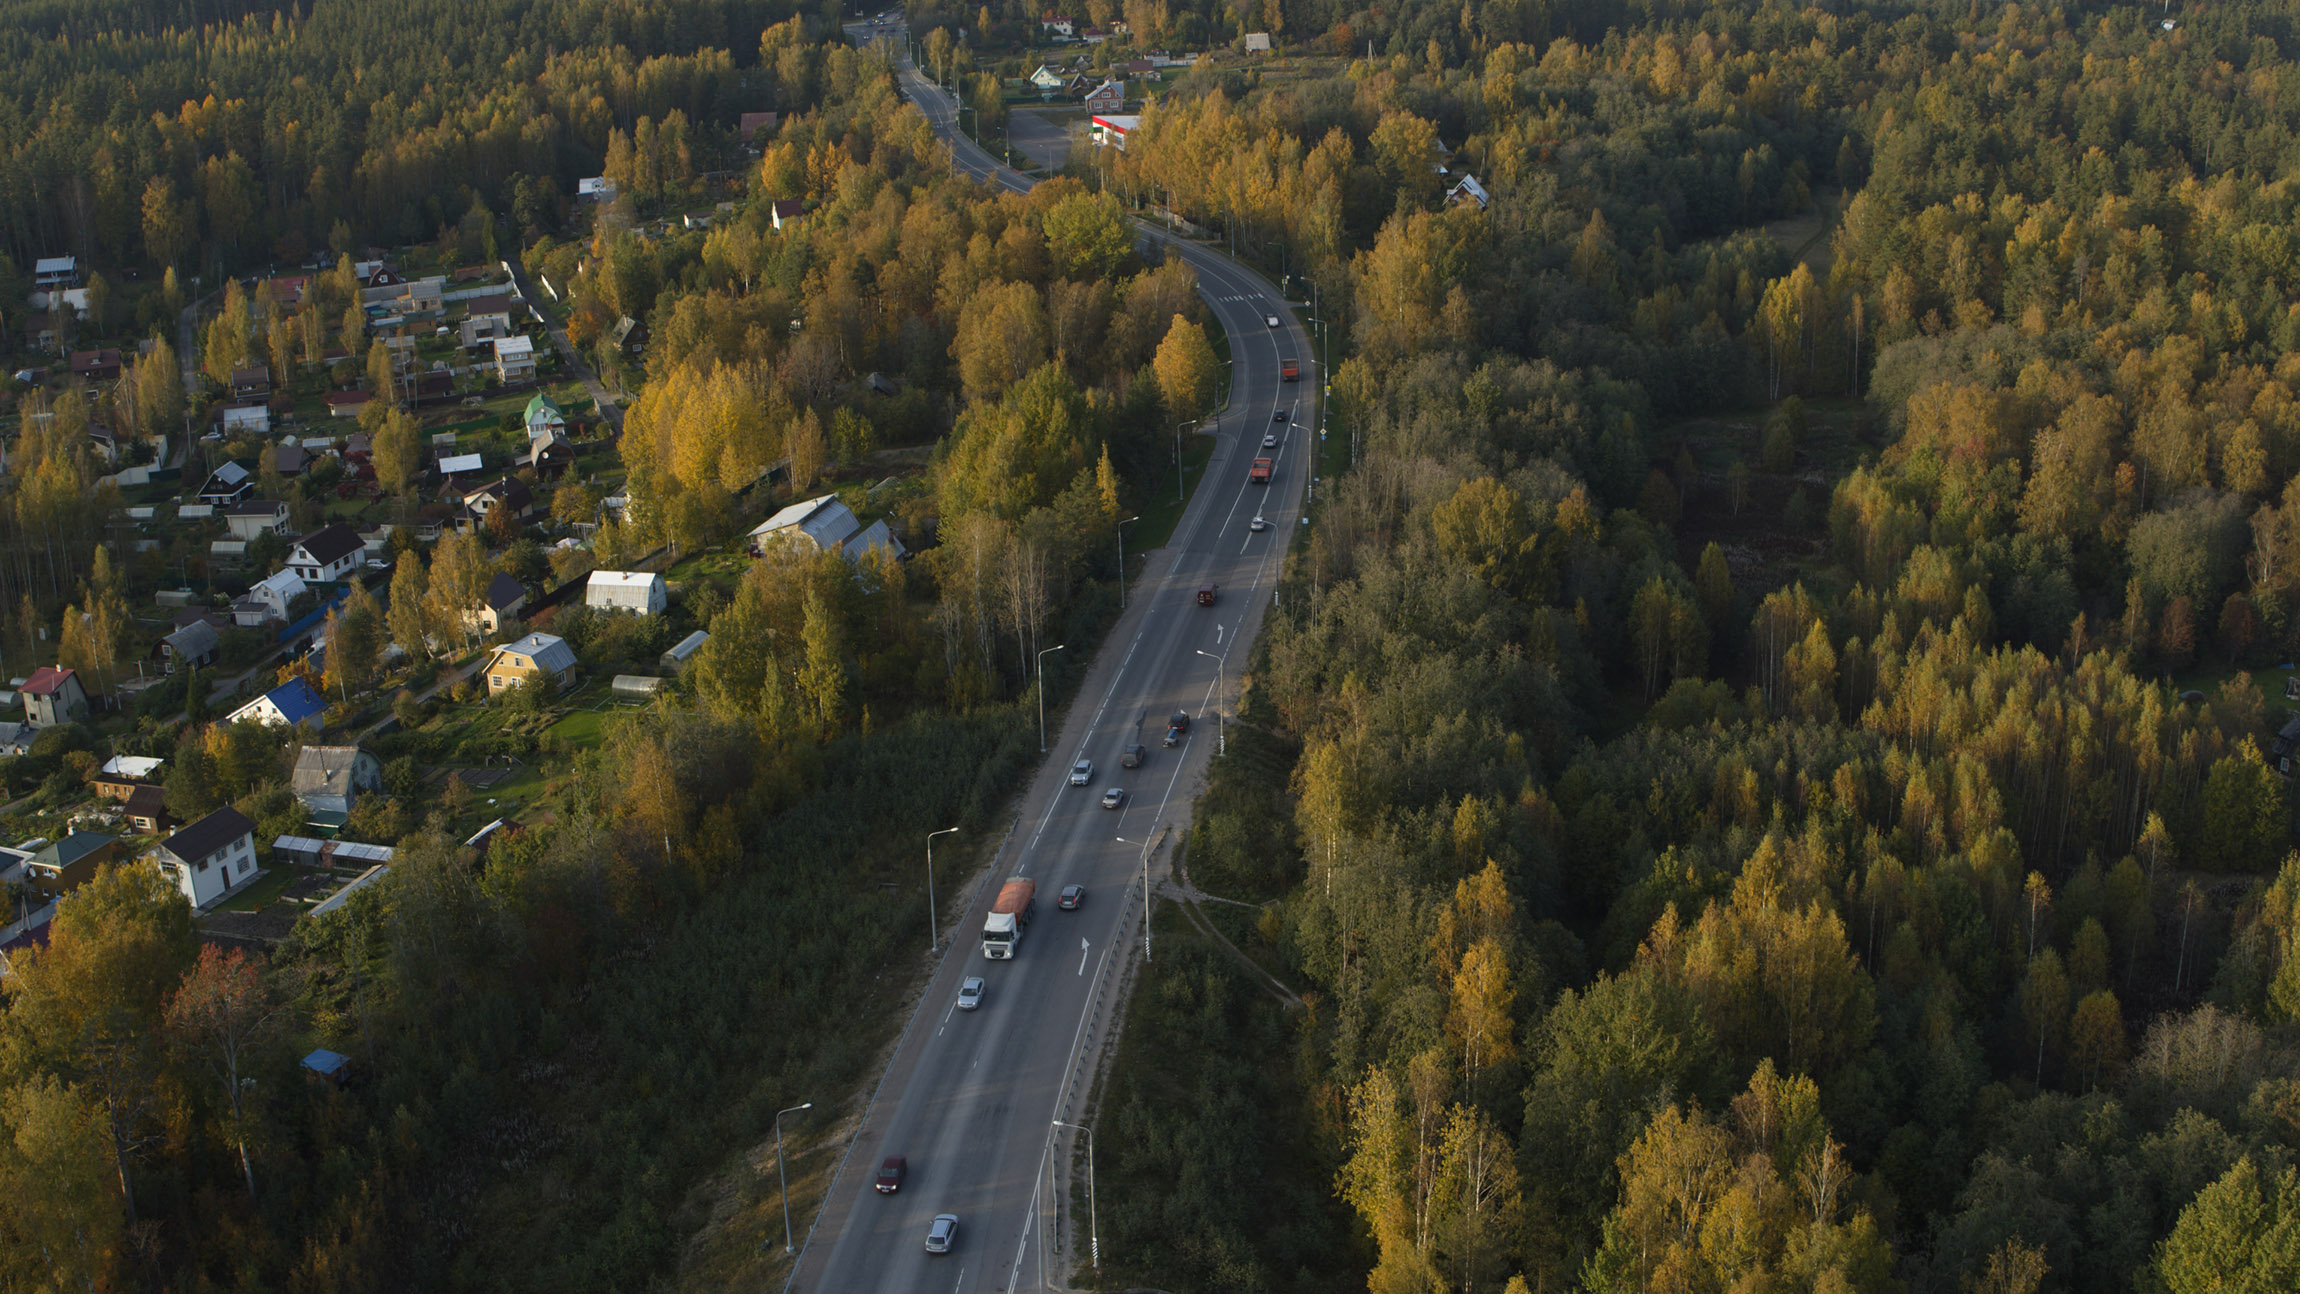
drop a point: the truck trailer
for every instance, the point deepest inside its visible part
(1289, 370)
(1259, 473)
(1009, 917)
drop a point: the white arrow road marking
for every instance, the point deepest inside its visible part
(1082, 947)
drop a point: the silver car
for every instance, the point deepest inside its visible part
(942, 1234)
(1114, 797)
(970, 992)
(1082, 773)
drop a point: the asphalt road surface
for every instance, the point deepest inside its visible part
(970, 1096)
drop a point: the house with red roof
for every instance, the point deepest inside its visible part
(53, 695)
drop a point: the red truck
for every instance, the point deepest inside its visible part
(1289, 371)
(1259, 474)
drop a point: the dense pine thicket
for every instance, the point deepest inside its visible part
(1749, 824)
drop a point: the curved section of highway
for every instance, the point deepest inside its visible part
(970, 1098)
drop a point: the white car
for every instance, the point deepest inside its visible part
(1269, 440)
(1271, 320)
(944, 1231)
(1082, 772)
(1114, 797)
(970, 991)
(1257, 525)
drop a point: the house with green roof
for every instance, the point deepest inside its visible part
(544, 417)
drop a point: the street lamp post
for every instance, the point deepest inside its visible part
(1042, 695)
(1122, 560)
(933, 935)
(1178, 496)
(1094, 1225)
(1221, 699)
(781, 1177)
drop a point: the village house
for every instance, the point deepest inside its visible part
(52, 696)
(252, 383)
(1109, 96)
(228, 484)
(268, 599)
(638, 592)
(211, 857)
(346, 404)
(329, 779)
(250, 518)
(822, 523)
(515, 359)
(68, 864)
(536, 655)
(326, 555)
(96, 365)
(486, 319)
(146, 811)
(253, 417)
(122, 774)
(785, 212)
(549, 455)
(195, 644)
(500, 606)
(1467, 189)
(290, 705)
(508, 494)
(53, 272)
(544, 416)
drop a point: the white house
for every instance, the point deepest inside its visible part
(326, 555)
(268, 599)
(822, 523)
(290, 705)
(211, 857)
(639, 592)
(488, 318)
(1467, 189)
(596, 188)
(251, 518)
(515, 358)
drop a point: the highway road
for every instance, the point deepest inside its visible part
(970, 1097)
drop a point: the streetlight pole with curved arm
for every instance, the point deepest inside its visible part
(1093, 1223)
(1042, 695)
(933, 934)
(1122, 560)
(781, 1177)
(1221, 699)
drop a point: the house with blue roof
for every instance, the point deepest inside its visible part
(290, 705)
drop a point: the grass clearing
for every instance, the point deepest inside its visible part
(1160, 517)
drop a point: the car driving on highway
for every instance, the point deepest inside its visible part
(891, 1171)
(1072, 896)
(942, 1234)
(1114, 797)
(1082, 772)
(970, 992)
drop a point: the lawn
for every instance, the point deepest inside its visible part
(264, 892)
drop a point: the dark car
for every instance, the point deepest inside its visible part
(1072, 896)
(1133, 757)
(1279, 416)
(890, 1174)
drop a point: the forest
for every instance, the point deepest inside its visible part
(1769, 771)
